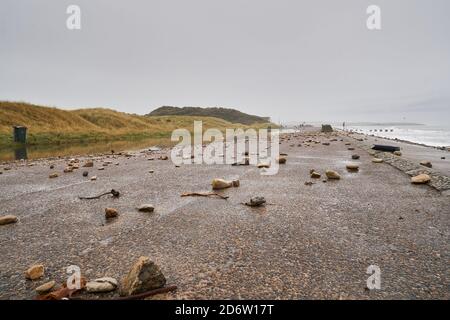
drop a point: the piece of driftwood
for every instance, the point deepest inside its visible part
(203, 194)
(148, 293)
(114, 193)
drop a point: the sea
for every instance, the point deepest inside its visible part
(431, 135)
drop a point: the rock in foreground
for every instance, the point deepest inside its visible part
(144, 276)
(46, 287)
(35, 272)
(8, 219)
(105, 284)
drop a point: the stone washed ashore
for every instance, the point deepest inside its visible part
(103, 283)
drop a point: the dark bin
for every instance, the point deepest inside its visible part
(20, 134)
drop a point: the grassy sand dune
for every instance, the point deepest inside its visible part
(52, 125)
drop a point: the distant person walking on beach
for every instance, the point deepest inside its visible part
(343, 126)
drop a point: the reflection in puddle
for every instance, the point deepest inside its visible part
(63, 150)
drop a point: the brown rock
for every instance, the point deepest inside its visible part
(352, 167)
(332, 174)
(88, 164)
(377, 160)
(144, 276)
(8, 219)
(35, 272)
(53, 175)
(421, 179)
(426, 163)
(315, 175)
(146, 208)
(111, 213)
(281, 159)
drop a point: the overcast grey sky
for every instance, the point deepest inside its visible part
(287, 59)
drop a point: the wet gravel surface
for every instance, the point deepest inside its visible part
(309, 242)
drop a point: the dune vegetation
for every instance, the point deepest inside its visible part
(49, 125)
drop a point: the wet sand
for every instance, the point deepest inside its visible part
(310, 242)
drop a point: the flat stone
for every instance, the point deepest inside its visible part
(35, 272)
(88, 164)
(332, 174)
(421, 179)
(426, 164)
(397, 153)
(105, 284)
(46, 287)
(93, 178)
(218, 184)
(315, 175)
(377, 160)
(146, 208)
(8, 219)
(352, 167)
(144, 276)
(355, 157)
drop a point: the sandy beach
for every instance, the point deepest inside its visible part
(311, 241)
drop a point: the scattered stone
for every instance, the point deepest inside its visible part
(68, 169)
(421, 179)
(111, 213)
(351, 148)
(144, 276)
(442, 158)
(377, 160)
(315, 175)
(355, 157)
(151, 171)
(101, 168)
(88, 164)
(35, 272)
(426, 164)
(281, 159)
(105, 284)
(85, 173)
(332, 174)
(263, 165)
(309, 183)
(53, 175)
(164, 158)
(256, 201)
(218, 184)
(8, 219)
(397, 153)
(93, 178)
(146, 208)
(46, 287)
(352, 167)
(326, 143)
(52, 166)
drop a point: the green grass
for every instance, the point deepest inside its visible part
(55, 126)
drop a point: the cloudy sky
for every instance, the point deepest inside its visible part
(287, 59)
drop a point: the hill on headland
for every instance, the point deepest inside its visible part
(230, 115)
(48, 125)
